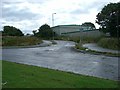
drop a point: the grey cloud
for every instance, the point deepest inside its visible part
(98, 5)
(12, 13)
(31, 1)
(79, 11)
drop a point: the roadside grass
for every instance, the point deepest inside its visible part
(78, 46)
(20, 41)
(26, 76)
(0, 74)
(111, 43)
(77, 39)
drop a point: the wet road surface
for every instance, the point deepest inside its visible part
(63, 57)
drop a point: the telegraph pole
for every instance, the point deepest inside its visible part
(117, 26)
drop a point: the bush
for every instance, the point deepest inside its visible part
(11, 31)
(19, 41)
(111, 43)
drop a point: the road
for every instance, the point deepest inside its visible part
(63, 57)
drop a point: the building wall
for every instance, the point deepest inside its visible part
(76, 31)
(65, 29)
(94, 33)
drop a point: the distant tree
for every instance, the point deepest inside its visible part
(45, 31)
(89, 24)
(109, 19)
(34, 32)
(11, 31)
(28, 34)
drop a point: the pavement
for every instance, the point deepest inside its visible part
(45, 43)
(62, 56)
(95, 47)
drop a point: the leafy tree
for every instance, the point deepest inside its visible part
(11, 31)
(45, 31)
(89, 24)
(109, 19)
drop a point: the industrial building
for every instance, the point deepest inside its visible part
(76, 30)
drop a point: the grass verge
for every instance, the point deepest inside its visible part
(20, 41)
(111, 43)
(79, 47)
(78, 38)
(26, 76)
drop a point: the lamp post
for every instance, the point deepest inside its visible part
(53, 23)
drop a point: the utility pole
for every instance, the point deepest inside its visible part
(117, 26)
(53, 23)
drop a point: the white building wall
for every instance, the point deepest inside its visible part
(95, 33)
(65, 29)
(77, 30)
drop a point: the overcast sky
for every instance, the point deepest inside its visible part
(29, 15)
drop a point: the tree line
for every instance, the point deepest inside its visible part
(45, 31)
(11, 31)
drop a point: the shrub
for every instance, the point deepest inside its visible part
(19, 41)
(111, 43)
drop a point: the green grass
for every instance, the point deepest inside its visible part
(19, 41)
(26, 76)
(0, 74)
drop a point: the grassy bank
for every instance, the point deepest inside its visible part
(111, 43)
(26, 76)
(20, 41)
(78, 46)
(78, 39)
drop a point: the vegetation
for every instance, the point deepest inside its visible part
(111, 43)
(11, 31)
(1, 74)
(86, 50)
(79, 39)
(19, 41)
(108, 19)
(89, 24)
(44, 31)
(26, 76)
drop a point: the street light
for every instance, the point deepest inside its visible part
(53, 19)
(53, 23)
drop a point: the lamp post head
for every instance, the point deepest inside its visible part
(53, 13)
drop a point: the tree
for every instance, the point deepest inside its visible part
(11, 31)
(45, 31)
(34, 32)
(89, 24)
(109, 19)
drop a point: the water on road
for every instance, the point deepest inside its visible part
(63, 57)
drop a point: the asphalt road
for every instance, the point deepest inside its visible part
(63, 57)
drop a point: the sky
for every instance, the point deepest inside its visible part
(29, 15)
